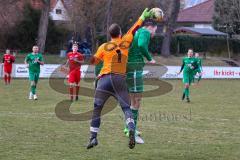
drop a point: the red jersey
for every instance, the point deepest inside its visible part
(72, 58)
(8, 59)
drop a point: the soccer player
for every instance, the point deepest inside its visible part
(33, 61)
(189, 64)
(114, 55)
(136, 63)
(8, 60)
(199, 69)
(75, 59)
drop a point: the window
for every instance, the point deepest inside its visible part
(58, 11)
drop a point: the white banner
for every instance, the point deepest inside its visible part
(208, 72)
(171, 72)
(1, 70)
(47, 70)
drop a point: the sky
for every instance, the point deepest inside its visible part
(190, 3)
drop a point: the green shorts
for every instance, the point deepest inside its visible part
(188, 78)
(135, 81)
(34, 77)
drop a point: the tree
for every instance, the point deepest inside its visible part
(10, 14)
(108, 17)
(43, 25)
(227, 16)
(172, 8)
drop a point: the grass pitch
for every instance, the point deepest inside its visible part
(207, 128)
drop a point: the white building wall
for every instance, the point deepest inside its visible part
(59, 17)
(203, 26)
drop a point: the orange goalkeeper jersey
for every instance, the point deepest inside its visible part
(114, 53)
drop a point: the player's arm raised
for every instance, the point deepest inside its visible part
(129, 35)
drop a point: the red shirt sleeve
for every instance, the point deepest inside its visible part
(13, 59)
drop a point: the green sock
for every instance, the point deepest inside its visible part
(135, 116)
(187, 92)
(33, 89)
(199, 78)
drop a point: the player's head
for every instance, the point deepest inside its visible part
(7, 51)
(151, 26)
(75, 47)
(35, 49)
(190, 52)
(196, 55)
(115, 31)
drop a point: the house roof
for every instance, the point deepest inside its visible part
(37, 4)
(200, 31)
(201, 13)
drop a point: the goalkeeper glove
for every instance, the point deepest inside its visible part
(146, 14)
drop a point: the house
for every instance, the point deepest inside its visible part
(59, 9)
(198, 16)
(199, 32)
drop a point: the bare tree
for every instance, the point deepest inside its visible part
(171, 14)
(108, 17)
(43, 25)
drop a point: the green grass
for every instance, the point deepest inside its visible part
(207, 128)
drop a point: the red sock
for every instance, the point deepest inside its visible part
(9, 79)
(77, 90)
(71, 92)
(5, 78)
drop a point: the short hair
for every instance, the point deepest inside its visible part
(75, 44)
(114, 30)
(35, 46)
(149, 22)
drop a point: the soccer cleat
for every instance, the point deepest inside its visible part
(76, 98)
(183, 96)
(139, 140)
(188, 100)
(35, 97)
(131, 143)
(138, 133)
(92, 143)
(125, 130)
(30, 95)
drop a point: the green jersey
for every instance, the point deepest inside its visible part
(189, 64)
(98, 68)
(139, 47)
(31, 59)
(199, 63)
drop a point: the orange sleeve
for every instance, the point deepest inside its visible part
(129, 35)
(98, 55)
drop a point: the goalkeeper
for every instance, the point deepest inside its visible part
(111, 80)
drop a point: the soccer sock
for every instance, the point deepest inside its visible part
(135, 115)
(199, 78)
(94, 132)
(71, 92)
(5, 78)
(33, 89)
(77, 90)
(187, 92)
(9, 79)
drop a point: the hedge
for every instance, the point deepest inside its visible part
(180, 44)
